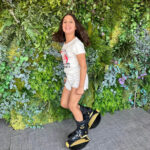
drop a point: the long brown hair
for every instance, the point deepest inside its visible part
(80, 32)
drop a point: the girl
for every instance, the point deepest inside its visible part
(74, 37)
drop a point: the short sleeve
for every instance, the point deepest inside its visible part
(78, 48)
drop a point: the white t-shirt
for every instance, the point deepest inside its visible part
(69, 52)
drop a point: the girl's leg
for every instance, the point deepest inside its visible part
(73, 105)
(79, 137)
(65, 98)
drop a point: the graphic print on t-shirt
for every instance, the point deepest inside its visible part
(65, 58)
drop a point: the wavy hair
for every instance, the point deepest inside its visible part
(80, 32)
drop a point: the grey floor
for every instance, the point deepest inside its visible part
(124, 130)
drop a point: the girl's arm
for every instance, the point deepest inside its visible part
(83, 70)
(65, 79)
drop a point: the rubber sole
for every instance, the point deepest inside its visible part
(78, 144)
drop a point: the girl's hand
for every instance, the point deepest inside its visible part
(80, 90)
(65, 79)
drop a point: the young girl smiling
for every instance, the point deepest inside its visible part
(74, 37)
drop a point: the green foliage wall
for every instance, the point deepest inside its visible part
(31, 70)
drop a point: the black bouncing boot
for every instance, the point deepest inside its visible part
(80, 137)
(93, 118)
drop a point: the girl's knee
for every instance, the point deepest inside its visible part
(72, 107)
(64, 105)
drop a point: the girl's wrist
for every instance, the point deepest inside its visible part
(81, 87)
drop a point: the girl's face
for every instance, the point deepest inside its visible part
(68, 25)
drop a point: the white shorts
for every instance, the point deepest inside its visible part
(73, 80)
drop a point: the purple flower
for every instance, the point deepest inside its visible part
(115, 62)
(102, 18)
(130, 100)
(144, 74)
(103, 34)
(121, 80)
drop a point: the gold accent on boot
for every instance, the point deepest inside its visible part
(92, 120)
(91, 114)
(67, 144)
(82, 127)
(80, 141)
